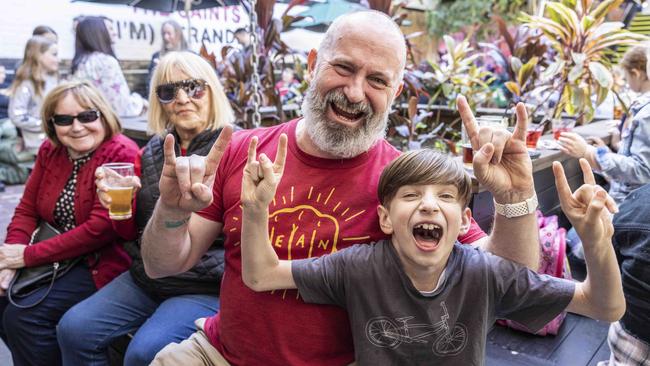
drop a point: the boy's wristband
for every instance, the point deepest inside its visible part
(511, 210)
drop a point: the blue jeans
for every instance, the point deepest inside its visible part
(122, 307)
(30, 334)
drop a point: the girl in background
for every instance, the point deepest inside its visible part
(36, 76)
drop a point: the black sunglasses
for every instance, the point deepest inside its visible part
(88, 116)
(194, 88)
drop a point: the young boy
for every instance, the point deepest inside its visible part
(420, 297)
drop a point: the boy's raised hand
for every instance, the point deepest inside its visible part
(589, 208)
(186, 181)
(261, 177)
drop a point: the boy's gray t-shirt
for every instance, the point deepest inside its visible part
(394, 324)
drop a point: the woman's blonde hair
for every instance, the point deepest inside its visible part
(88, 97)
(195, 67)
(31, 69)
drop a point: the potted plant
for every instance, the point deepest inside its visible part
(441, 82)
(583, 41)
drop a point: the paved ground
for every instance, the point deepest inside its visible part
(8, 201)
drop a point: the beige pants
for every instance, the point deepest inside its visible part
(196, 350)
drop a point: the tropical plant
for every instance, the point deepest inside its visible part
(236, 70)
(583, 41)
(440, 82)
(458, 73)
(446, 17)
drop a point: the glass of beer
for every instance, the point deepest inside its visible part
(120, 188)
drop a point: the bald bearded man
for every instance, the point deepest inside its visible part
(327, 201)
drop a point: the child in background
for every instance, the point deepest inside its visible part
(288, 86)
(420, 297)
(628, 169)
(36, 76)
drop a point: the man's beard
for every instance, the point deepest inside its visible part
(337, 139)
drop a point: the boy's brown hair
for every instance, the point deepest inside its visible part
(420, 167)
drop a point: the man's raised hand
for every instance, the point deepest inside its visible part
(261, 176)
(501, 161)
(186, 181)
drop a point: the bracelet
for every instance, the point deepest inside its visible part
(511, 210)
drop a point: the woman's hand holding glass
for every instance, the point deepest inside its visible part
(105, 178)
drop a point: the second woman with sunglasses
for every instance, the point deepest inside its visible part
(187, 101)
(82, 133)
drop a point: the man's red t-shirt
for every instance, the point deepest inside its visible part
(321, 205)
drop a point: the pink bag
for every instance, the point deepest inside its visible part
(552, 261)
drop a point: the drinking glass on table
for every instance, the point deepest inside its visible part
(562, 125)
(533, 134)
(118, 178)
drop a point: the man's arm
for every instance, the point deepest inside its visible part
(516, 238)
(501, 163)
(600, 296)
(261, 268)
(175, 238)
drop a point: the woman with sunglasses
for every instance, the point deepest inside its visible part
(94, 60)
(83, 133)
(187, 101)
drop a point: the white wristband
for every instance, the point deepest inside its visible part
(511, 210)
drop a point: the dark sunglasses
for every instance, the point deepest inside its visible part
(88, 116)
(194, 88)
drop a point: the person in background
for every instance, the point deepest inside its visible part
(287, 88)
(172, 40)
(83, 133)
(4, 94)
(8, 133)
(47, 32)
(241, 56)
(188, 102)
(243, 38)
(35, 77)
(629, 168)
(95, 60)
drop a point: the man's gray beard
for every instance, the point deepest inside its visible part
(337, 139)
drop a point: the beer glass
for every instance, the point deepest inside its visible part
(120, 188)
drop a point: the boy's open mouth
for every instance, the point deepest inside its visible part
(345, 114)
(427, 236)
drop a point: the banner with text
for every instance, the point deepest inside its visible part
(138, 30)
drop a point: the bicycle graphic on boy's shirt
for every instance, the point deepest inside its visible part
(385, 332)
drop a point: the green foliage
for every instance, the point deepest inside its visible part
(447, 17)
(459, 74)
(578, 33)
